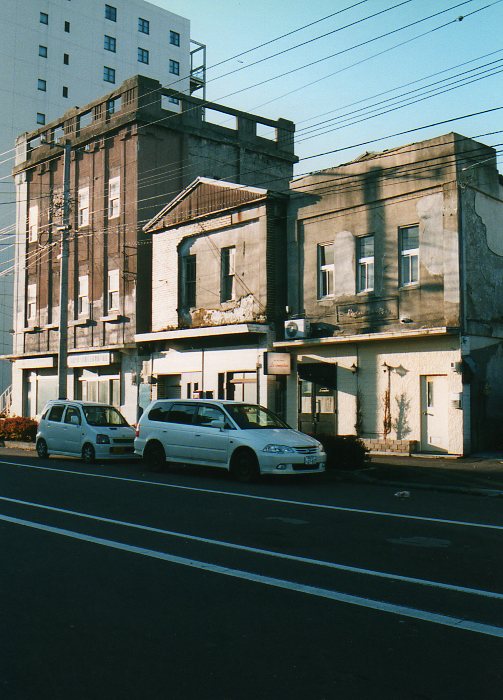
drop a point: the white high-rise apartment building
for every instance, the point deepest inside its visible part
(58, 54)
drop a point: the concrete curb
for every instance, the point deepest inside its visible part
(15, 445)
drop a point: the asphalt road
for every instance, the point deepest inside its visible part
(118, 583)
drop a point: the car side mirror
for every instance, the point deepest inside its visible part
(74, 420)
(220, 424)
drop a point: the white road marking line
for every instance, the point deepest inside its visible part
(284, 501)
(403, 611)
(264, 552)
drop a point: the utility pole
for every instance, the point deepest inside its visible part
(63, 279)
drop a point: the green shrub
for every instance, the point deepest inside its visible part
(18, 428)
(343, 451)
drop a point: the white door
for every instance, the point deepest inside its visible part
(434, 406)
(210, 444)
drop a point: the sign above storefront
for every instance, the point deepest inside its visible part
(93, 359)
(36, 363)
(277, 363)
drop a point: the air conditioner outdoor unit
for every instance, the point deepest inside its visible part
(296, 328)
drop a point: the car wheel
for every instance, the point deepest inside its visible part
(244, 466)
(88, 454)
(41, 448)
(154, 456)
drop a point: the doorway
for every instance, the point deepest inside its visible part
(434, 407)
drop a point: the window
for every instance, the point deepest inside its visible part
(143, 26)
(173, 100)
(65, 91)
(409, 255)
(182, 413)
(56, 413)
(44, 18)
(72, 416)
(114, 194)
(83, 296)
(111, 13)
(67, 27)
(42, 85)
(33, 223)
(110, 43)
(40, 118)
(83, 206)
(42, 51)
(207, 414)
(189, 279)
(227, 273)
(325, 270)
(174, 38)
(174, 67)
(113, 290)
(31, 301)
(142, 55)
(108, 74)
(111, 106)
(365, 257)
(66, 59)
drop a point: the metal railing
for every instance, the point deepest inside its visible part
(6, 401)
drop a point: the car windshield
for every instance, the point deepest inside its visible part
(103, 415)
(253, 417)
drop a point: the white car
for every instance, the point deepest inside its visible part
(93, 431)
(243, 438)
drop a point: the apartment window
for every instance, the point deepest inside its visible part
(114, 193)
(143, 26)
(325, 270)
(66, 59)
(67, 27)
(83, 206)
(227, 274)
(111, 13)
(174, 67)
(142, 55)
(108, 74)
(31, 301)
(110, 43)
(42, 85)
(33, 223)
(40, 118)
(113, 290)
(365, 263)
(174, 38)
(83, 296)
(189, 280)
(173, 100)
(409, 255)
(44, 18)
(42, 51)
(65, 91)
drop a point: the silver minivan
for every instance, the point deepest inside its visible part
(92, 431)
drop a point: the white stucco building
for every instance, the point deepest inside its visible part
(58, 54)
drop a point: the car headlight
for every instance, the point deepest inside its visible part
(278, 449)
(102, 439)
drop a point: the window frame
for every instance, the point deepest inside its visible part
(42, 84)
(406, 258)
(67, 27)
(42, 51)
(41, 118)
(83, 207)
(142, 24)
(365, 264)
(83, 295)
(143, 56)
(174, 38)
(174, 67)
(114, 197)
(189, 282)
(110, 43)
(111, 13)
(31, 301)
(228, 273)
(113, 290)
(109, 75)
(33, 223)
(44, 18)
(326, 271)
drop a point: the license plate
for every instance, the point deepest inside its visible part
(311, 459)
(120, 450)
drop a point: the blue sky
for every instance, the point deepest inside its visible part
(330, 88)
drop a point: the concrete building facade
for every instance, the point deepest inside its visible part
(57, 54)
(130, 154)
(395, 274)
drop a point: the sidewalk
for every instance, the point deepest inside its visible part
(480, 474)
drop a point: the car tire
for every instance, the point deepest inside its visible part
(244, 466)
(41, 448)
(154, 456)
(88, 454)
